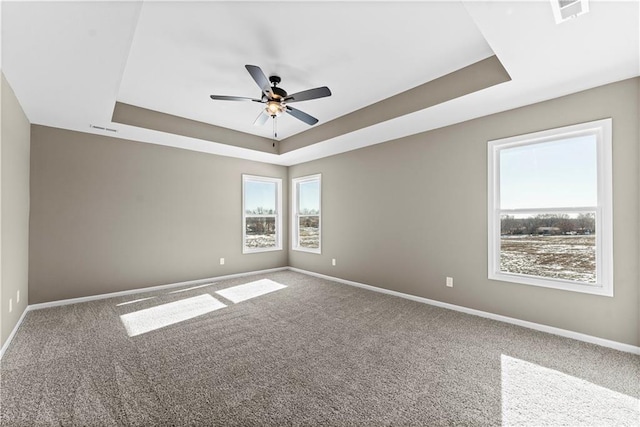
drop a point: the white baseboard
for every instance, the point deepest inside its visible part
(13, 332)
(149, 289)
(628, 348)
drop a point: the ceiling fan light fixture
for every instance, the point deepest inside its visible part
(274, 108)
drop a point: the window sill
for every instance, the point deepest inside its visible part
(260, 250)
(564, 285)
(311, 251)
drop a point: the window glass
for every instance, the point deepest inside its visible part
(552, 174)
(306, 214)
(260, 197)
(309, 197)
(262, 200)
(556, 246)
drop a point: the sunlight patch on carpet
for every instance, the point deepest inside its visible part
(250, 290)
(134, 301)
(191, 288)
(150, 319)
(535, 395)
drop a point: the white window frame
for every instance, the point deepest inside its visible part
(602, 129)
(295, 223)
(277, 215)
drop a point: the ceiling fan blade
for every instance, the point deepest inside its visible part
(301, 115)
(261, 119)
(305, 95)
(260, 79)
(233, 98)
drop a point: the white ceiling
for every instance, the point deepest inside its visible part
(182, 53)
(69, 62)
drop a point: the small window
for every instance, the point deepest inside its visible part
(550, 209)
(261, 218)
(306, 214)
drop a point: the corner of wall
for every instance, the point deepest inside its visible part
(15, 149)
(287, 207)
(638, 145)
(2, 80)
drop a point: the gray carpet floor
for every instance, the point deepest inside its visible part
(311, 353)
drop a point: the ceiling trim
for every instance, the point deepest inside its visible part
(472, 78)
(149, 119)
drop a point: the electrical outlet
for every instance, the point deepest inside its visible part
(18, 296)
(221, 261)
(450, 282)
(10, 305)
(333, 262)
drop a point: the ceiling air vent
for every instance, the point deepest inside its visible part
(103, 128)
(566, 9)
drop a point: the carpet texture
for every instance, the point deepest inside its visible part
(298, 350)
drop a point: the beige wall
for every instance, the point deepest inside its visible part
(405, 214)
(109, 215)
(14, 216)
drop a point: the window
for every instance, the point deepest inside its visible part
(550, 209)
(261, 218)
(306, 214)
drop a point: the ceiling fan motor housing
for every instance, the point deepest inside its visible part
(275, 80)
(278, 93)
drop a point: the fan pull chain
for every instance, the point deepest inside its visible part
(275, 129)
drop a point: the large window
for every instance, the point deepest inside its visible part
(261, 214)
(550, 209)
(306, 213)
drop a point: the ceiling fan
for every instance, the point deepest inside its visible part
(276, 98)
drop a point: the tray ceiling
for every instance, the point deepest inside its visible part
(71, 62)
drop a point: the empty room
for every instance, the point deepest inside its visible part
(332, 213)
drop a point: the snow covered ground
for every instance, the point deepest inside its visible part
(310, 237)
(561, 257)
(260, 241)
